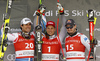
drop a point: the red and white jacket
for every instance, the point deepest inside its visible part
(50, 49)
(24, 48)
(75, 47)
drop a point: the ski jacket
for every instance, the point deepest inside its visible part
(51, 46)
(24, 48)
(75, 47)
(50, 49)
(62, 32)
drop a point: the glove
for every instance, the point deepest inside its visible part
(41, 9)
(60, 8)
(5, 43)
(6, 28)
(95, 41)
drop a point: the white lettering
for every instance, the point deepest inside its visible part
(48, 13)
(38, 35)
(66, 12)
(77, 13)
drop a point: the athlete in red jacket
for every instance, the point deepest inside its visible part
(51, 46)
(23, 41)
(75, 43)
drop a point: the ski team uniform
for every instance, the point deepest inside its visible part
(50, 49)
(51, 46)
(75, 47)
(24, 48)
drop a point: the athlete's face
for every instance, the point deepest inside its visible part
(71, 29)
(26, 27)
(50, 30)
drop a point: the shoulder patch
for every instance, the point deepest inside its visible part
(85, 38)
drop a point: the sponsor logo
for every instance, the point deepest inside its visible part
(50, 23)
(70, 13)
(69, 21)
(91, 32)
(26, 40)
(38, 36)
(15, 30)
(50, 57)
(95, 29)
(11, 57)
(50, 42)
(85, 38)
(68, 41)
(38, 39)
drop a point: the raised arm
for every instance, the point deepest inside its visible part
(40, 18)
(63, 30)
(10, 37)
(36, 21)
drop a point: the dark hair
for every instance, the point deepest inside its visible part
(21, 27)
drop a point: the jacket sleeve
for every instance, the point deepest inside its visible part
(42, 22)
(63, 30)
(35, 22)
(85, 41)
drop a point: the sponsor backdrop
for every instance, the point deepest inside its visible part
(74, 9)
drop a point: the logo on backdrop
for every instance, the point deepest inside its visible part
(70, 13)
(95, 29)
(11, 57)
(15, 30)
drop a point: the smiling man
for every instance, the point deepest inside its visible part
(50, 28)
(51, 45)
(75, 43)
(23, 41)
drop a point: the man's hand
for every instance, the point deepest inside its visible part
(41, 9)
(60, 8)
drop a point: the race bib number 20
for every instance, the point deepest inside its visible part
(29, 45)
